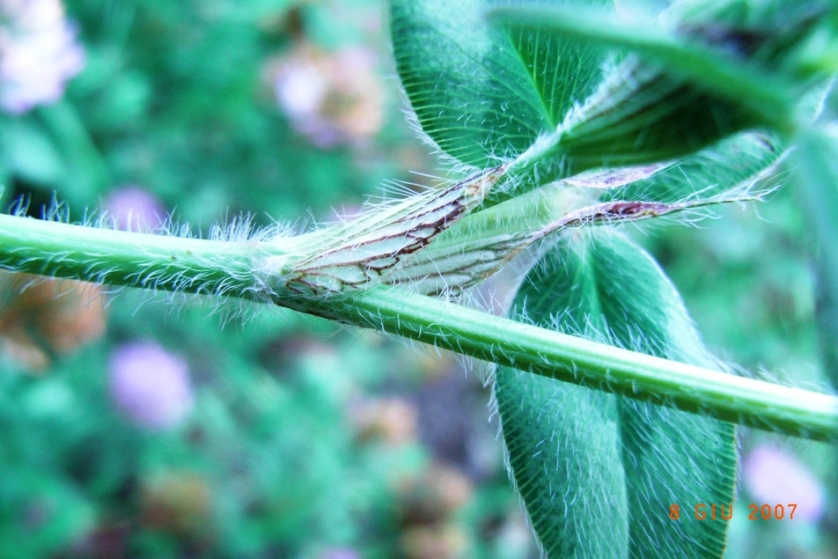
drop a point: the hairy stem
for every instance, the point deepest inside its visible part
(126, 259)
(213, 267)
(572, 359)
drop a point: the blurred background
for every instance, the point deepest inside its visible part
(139, 425)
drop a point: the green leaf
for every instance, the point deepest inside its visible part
(482, 92)
(538, 93)
(599, 473)
(734, 163)
(715, 70)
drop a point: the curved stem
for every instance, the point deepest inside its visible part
(171, 263)
(604, 367)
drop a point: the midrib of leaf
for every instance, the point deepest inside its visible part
(546, 111)
(561, 56)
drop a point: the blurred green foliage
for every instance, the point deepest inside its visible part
(289, 451)
(305, 440)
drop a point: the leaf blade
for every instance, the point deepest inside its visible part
(481, 91)
(664, 456)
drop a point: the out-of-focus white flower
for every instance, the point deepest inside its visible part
(331, 98)
(38, 53)
(773, 476)
(134, 208)
(150, 385)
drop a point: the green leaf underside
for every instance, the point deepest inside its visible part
(696, 61)
(597, 472)
(481, 91)
(713, 171)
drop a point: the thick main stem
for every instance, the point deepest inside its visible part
(212, 267)
(126, 259)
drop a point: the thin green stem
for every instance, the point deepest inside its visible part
(572, 359)
(171, 263)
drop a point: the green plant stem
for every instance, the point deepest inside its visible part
(124, 259)
(580, 361)
(212, 267)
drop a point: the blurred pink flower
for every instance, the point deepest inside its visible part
(150, 385)
(134, 208)
(775, 477)
(38, 53)
(339, 553)
(331, 98)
